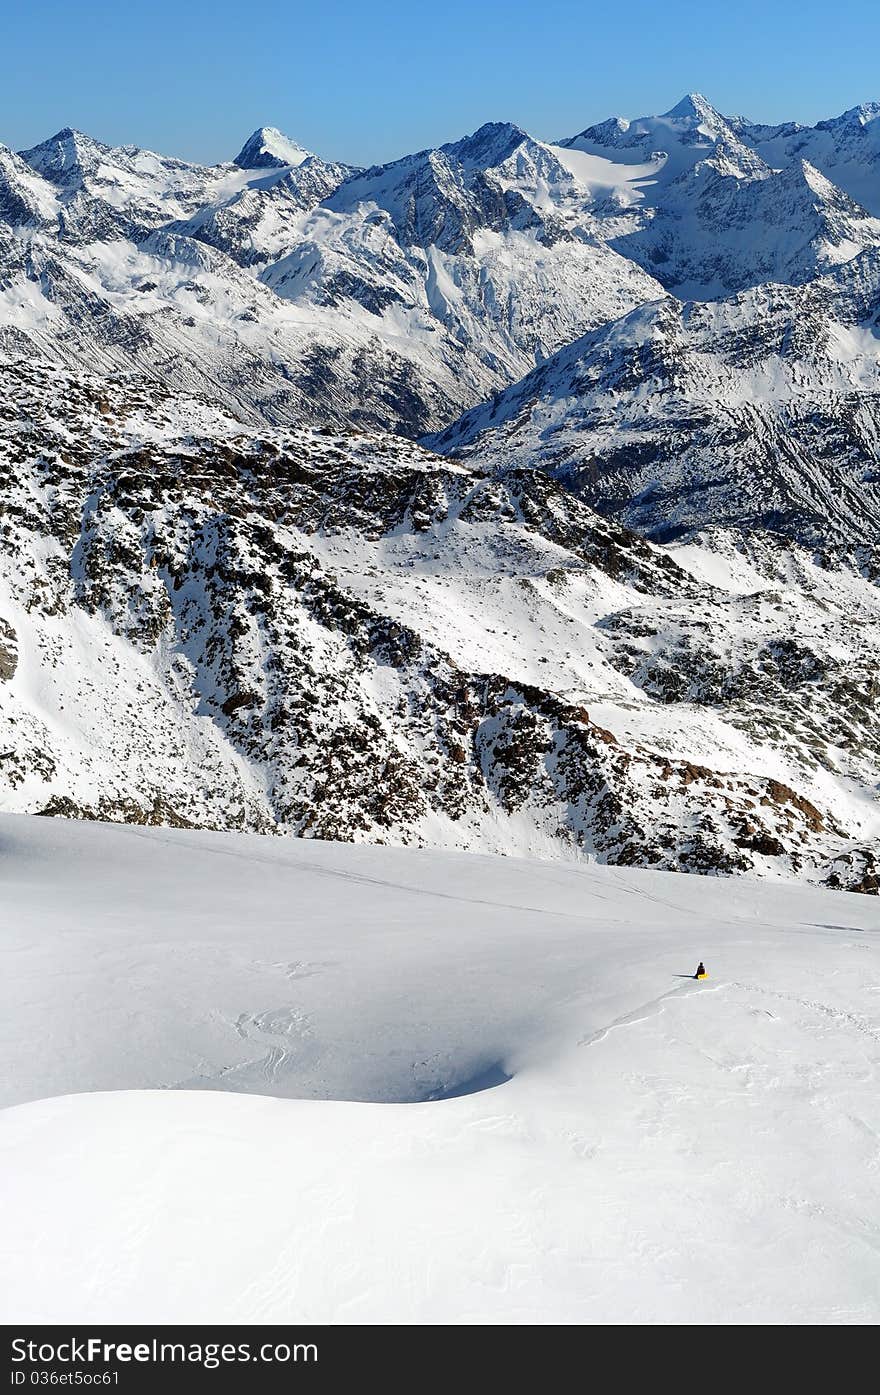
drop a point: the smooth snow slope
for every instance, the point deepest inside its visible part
(663, 1151)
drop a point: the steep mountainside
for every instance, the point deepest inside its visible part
(345, 636)
(846, 149)
(622, 601)
(690, 199)
(290, 288)
(759, 412)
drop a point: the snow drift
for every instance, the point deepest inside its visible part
(663, 1151)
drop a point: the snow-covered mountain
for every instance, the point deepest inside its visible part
(690, 199)
(761, 412)
(344, 636)
(269, 148)
(322, 628)
(143, 190)
(100, 264)
(402, 295)
(846, 149)
(425, 561)
(308, 291)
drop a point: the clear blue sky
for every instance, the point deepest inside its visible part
(366, 82)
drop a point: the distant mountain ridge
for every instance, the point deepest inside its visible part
(760, 413)
(402, 295)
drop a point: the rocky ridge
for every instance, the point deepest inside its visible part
(206, 626)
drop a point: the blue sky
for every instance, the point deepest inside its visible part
(366, 82)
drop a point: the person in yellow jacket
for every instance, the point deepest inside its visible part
(701, 970)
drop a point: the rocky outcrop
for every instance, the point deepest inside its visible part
(235, 631)
(8, 651)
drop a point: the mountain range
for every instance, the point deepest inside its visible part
(516, 494)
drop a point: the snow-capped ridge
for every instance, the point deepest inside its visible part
(845, 148)
(491, 144)
(693, 115)
(269, 148)
(778, 365)
(65, 157)
(861, 115)
(695, 107)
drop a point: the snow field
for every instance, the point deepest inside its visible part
(663, 1151)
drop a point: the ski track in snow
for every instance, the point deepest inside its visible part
(641, 1014)
(249, 1025)
(848, 1019)
(359, 877)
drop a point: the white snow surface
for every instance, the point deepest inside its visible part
(662, 1151)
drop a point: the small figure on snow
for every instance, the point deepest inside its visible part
(701, 970)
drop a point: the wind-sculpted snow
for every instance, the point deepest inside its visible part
(344, 636)
(660, 1150)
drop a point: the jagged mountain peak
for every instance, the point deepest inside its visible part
(825, 198)
(269, 148)
(694, 106)
(67, 134)
(861, 115)
(687, 133)
(65, 156)
(73, 160)
(729, 157)
(69, 138)
(499, 177)
(490, 145)
(694, 110)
